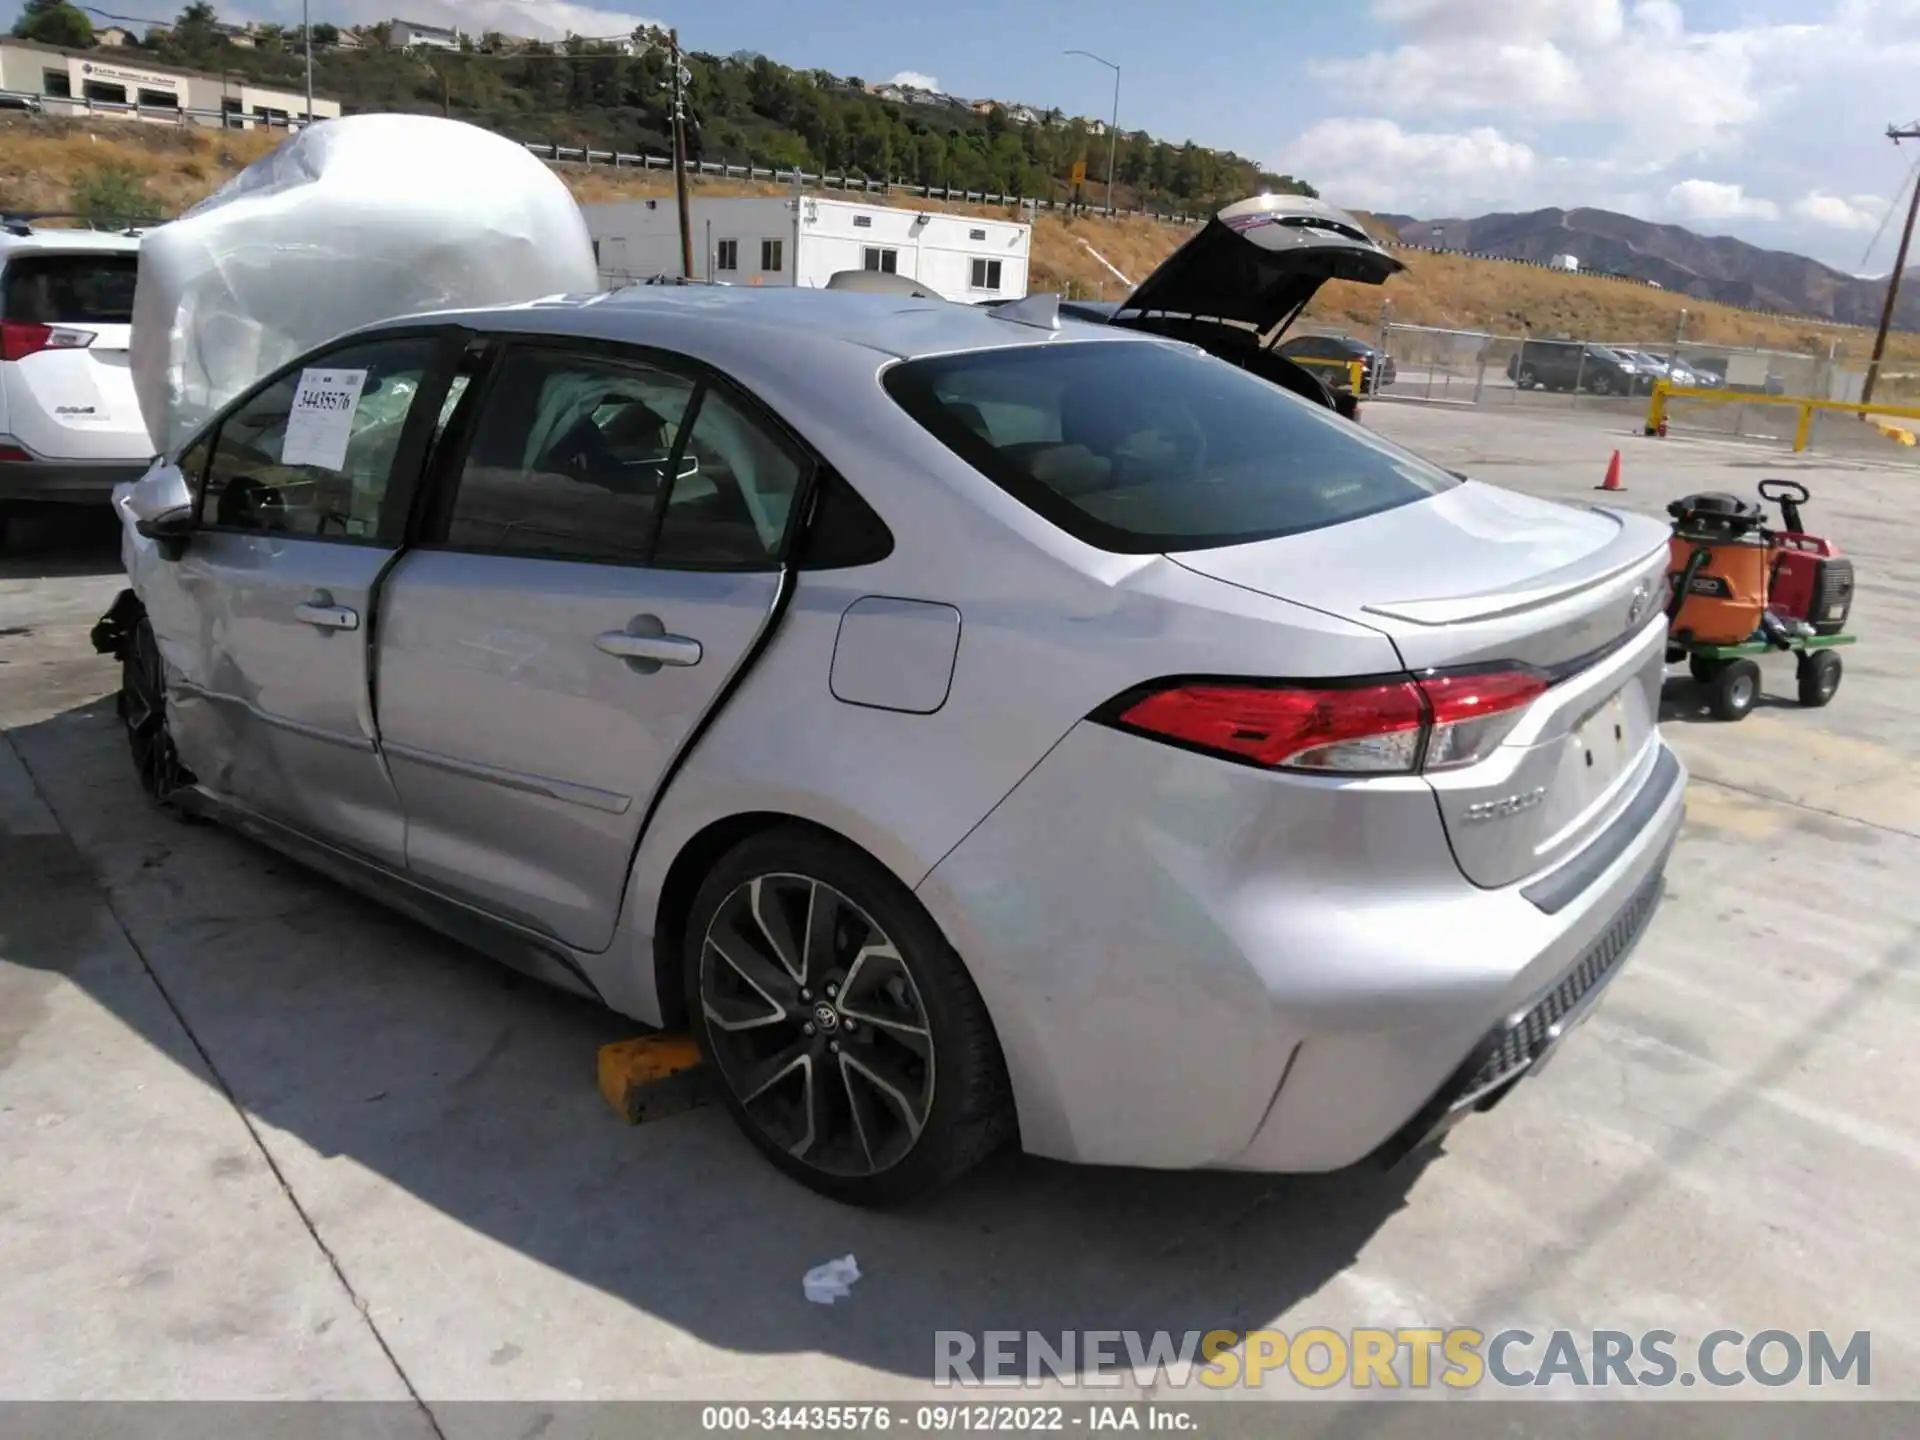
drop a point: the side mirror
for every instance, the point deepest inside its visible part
(169, 532)
(161, 506)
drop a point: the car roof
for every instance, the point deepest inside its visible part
(702, 318)
(69, 241)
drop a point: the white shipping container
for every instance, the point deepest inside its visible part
(1564, 262)
(806, 240)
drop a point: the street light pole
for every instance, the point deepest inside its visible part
(1895, 133)
(1113, 126)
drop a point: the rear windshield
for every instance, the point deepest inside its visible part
(1143, 447)
(70, 289)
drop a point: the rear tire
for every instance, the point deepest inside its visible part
(847, 1038)
(1819, 674)
(1736, 690)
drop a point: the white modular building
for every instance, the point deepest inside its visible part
(806, 240)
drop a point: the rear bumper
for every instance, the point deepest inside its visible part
(1194, 965)
(65, 482)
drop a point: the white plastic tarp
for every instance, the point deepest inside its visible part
(348, 222)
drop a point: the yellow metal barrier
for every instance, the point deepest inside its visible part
(1664, 390)
(1356, 369)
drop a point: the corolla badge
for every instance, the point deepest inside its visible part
(1507, 806)
(1637, 606)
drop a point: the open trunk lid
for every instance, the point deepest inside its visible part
(1259, 261)
(1477, 576)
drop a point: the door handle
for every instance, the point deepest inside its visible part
(646, 646)
(320, 611)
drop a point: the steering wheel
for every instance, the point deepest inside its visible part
(1791, 491)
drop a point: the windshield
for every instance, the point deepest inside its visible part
(95, 288)
(1138, 448)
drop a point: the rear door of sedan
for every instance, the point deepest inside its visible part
(600, 550)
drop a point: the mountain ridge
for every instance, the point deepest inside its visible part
(1716, 267)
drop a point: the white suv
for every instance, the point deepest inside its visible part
(70, 425)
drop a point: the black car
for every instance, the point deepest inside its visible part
(1569, 364)
(1332, 356)
(1236, 285)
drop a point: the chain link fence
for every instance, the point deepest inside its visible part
(1429, 364)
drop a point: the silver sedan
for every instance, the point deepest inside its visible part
(973, 725)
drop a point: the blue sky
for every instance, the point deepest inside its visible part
(1763, 119)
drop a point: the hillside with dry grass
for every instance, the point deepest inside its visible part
(62, 165)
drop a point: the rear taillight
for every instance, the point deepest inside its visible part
(1398, 727)
(19, 340)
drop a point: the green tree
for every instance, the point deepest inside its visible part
(112, 193)
(54, 22)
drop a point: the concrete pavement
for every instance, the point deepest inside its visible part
(264, 1139)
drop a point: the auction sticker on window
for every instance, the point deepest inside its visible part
(322, 419)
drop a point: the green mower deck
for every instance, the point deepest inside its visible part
(1762, 647)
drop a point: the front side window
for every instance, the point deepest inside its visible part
(569, 458)
(1139, 447)
(312, 455)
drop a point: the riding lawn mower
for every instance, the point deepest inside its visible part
(1740, 589)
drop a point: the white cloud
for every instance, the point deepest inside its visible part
(1717, 200)
(1627, 105)
(1592, 21)
(916, 79)
(1374, 164)
(1858, 212)
(536, 19)
(1656, 88)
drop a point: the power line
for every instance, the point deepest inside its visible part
(1895, 133)
(1893, 207)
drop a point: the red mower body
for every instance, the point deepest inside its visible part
(1810, 580)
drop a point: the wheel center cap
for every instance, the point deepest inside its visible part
(825, 1017)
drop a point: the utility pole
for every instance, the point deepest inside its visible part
(306, 39)
(678, 81)
(1895, 133)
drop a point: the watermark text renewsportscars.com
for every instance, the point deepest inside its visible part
(1404, 1358)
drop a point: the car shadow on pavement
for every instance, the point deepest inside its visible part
(348, 1033)
(1684, 700)
(59, 544)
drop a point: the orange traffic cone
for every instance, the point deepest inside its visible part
(1612, 482)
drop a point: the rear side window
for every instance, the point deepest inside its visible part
(69, 289)
(569, 459)
(593, 458)
(1141, 447)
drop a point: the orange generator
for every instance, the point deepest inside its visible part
(1741, 589)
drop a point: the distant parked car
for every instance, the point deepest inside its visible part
(1329, 356)
(70, 426)
(1567, 364)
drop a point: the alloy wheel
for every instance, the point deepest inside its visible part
(816, 1025)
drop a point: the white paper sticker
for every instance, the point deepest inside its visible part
(322, 418)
